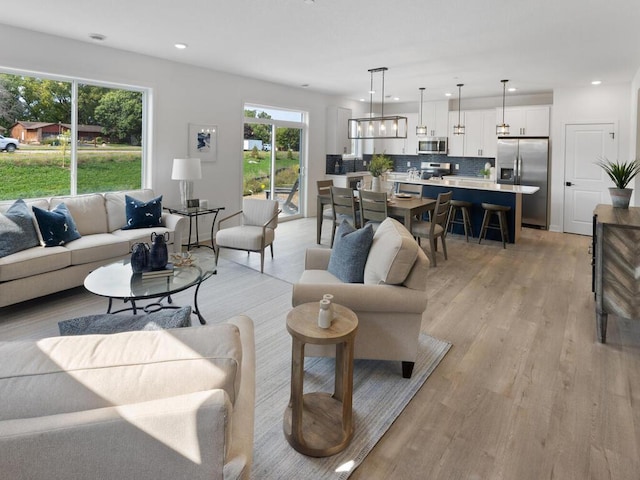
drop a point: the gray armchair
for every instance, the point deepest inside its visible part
(259, 219)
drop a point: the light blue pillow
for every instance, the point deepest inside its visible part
(17, 231)
(143, 214)
(350, 251)
(56, 226)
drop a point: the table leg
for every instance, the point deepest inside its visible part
(296, 399)
(196, 309)
(319, 218)
(189, 239)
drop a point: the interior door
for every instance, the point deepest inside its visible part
(586, 183)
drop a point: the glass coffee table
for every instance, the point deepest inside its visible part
(117, 281)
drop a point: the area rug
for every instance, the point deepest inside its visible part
(380, 395)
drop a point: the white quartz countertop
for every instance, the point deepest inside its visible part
(472, 184)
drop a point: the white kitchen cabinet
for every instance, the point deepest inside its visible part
(529, 121)
(479, 139)
(435, 115)
(338, 141)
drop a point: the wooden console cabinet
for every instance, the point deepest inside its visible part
(616, 264)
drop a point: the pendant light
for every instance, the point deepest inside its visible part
(504, 128)
(377, 127)
(459, 128)
(421, 129)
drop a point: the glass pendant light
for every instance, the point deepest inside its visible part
(421, 129)
(392, 126)
(459, 128)
(504, 128)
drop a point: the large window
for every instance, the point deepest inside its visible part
(73, 137)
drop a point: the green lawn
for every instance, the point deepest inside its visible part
(257, 170)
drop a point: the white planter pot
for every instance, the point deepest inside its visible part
(620, 197)
(375, 184)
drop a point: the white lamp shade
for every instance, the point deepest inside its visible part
(186, 169)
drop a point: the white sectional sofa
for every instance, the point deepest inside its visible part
(99, 217)
(175, 404)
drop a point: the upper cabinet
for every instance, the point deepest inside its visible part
(338, 141)
(479, 139)
(530, 121)
(435, 115)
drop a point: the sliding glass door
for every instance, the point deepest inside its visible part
(273, 159)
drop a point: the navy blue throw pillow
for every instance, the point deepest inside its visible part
(143, 214)
(17, 232)
(350, 251)
(56, 226)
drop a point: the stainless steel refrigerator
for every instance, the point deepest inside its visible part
(525, 161)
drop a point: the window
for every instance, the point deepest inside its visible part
(98, 146)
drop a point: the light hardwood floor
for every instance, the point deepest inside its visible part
(525, 393)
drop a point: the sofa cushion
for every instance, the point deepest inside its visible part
(114, 203)
(85, 372)
(246, 237)
(88, 212)
(141, 214)
(349, 253)
(108, 323)
(33, 261)
(142, 235)
(392, 255)
(56, 226)
(97, 247)
(17, 231)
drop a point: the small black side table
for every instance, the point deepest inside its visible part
(195, 212)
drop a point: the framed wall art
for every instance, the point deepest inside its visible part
(203, 142)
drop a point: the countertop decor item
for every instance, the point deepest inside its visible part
(621, 173)
(139, 257)
(159, 255)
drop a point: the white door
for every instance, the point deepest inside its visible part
(586, 183)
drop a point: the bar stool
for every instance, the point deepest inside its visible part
(462, 206)
(500, 211)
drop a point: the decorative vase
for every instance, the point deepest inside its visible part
(139, 257)
(159, 255)
(375, 184)
(325, 316)
(620, 197)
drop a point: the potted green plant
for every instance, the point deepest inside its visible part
(621, 173)
(379, 164)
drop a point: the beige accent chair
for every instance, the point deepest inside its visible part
(436, 228)
(391, 304)
(138, 405)
(259, 220)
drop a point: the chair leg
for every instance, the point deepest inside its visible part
(262, 261)
(467, 222)
(271, 246)
(333, 233)
(502, 219)
(432, 242)
(485, 223)
(444, 247)
(407, 369)
(217, 254)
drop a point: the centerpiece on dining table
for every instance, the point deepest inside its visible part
(380, 163)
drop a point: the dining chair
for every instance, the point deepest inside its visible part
(324, 208)
(344, 208)
(373, 208)
(436, 228)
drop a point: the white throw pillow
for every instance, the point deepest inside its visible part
(392, 254)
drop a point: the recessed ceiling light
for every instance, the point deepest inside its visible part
(181, 46)
(447, 94)
(98, 37)
(596, 82)
(511, 89)
(362, 99)
(309, 2)
(396, 99)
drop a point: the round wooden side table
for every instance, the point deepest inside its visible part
(319, 424)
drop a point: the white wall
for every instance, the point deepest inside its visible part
(592, 104)
(181, 95)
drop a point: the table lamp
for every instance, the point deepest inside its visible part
(186, 170)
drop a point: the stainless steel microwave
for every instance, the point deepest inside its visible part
(432, 145)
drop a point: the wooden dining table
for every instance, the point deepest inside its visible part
(405, 208)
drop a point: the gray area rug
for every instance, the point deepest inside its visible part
(380, 395)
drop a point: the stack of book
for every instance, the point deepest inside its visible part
(167, 271)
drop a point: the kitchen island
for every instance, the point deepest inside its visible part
(477, 192)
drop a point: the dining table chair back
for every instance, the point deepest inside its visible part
(373, 207)
(436, 228)
(344, 208)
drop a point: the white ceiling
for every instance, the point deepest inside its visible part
(538, 45)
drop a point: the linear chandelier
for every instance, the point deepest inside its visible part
(503, 129)
(377, 127)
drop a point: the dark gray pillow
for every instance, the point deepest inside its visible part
(17, 231)
(110, 323)
(56, 226)
(350, 251)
